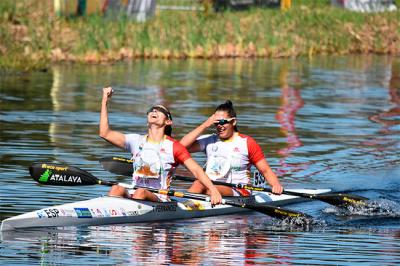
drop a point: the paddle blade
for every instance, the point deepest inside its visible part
(342, 200)
(61, 175)
(117, 165)
(280, 213)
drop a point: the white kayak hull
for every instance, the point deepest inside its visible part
(114, 210)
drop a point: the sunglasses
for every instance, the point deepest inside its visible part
(222, 122)
(161, 110)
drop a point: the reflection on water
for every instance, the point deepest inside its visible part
(331, 122)
(291, 102)
(389, 118)
(204, 241)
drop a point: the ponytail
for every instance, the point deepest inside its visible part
(168, 131)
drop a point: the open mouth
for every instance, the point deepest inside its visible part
(220, 129)
(153, 115)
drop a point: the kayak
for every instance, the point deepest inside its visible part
(115, 210)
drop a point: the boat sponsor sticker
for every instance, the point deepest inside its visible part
(193, 205)
(103, 212)
(52, 213)
(117, 212)
(83, 213)
(67, 212)
(55, 212)
(97, 212)
(106, 213)
(245, 200)
(48, 213)
(133, 213)
(41, 214)
(165, 207)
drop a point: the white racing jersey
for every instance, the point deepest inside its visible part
(230, 161)
(154, 163)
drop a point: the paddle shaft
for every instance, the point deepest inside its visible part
(263, 189)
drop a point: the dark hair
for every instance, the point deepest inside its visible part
(227, 106)
(168, 130)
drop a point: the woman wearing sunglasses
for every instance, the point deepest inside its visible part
(155, 155)
(230, 154)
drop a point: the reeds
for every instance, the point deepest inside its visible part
(32, 37)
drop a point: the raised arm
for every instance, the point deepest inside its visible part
(264, 168)
(198, 172)
(189, 140)
(114, 137)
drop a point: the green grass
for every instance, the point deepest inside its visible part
(31, 39)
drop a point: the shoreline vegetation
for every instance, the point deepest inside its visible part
(32, 37)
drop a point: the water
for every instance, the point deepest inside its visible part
(328, 122)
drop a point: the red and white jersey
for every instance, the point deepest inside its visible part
(154, 163)
(230, 161)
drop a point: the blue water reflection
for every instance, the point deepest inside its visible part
(330, 122)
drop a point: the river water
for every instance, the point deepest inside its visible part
(329, 122)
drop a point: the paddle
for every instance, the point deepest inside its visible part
(123, 166)
(61, 175)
